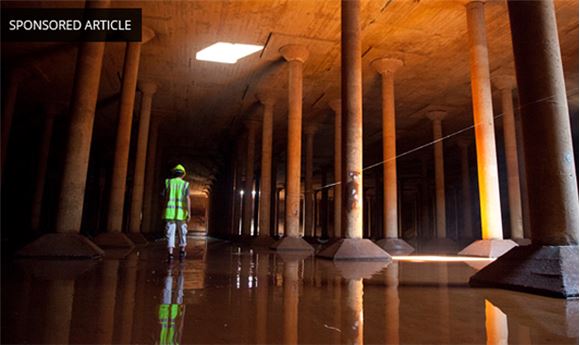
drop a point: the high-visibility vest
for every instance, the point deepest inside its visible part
(168, 315)
(176, 190)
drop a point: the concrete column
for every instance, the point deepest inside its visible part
(296, 55)
(147, 89)
(378, 205)
(351, 79)
(266, 166)
(391, 242)
(44, 150)
(238, 198)
(353, 247)
(492, 244)
(309, 200)
(507, 84)
(549, 156)
(553, 193)
(274, 214)
(483, 119)
(113, 236)
(15, 77)
(336, 105)
(324, 205)
(369, 215)
(426, 223)
(387, 68)
(277, 202)
(466, 189)
(437, 117)
(150, 176)
(249, 183)
(67, 241)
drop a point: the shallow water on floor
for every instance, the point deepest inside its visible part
(223, 293)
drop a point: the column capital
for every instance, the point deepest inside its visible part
(472, 3)
(147, 87)
(147, 34)
(266, 98)
(436, 115)
(310, 128)
(292, 52)
(504, 82)
(387, 65)
(335, 104)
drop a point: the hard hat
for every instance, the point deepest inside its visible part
(179, 167)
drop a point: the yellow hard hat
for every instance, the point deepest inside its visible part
(179, 167)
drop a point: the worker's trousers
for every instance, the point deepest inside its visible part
(170, 227)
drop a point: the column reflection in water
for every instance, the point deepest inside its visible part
(291, 286)
(496, 325)
(59, 305)
(352, 315)
(392, 304)
(57, 278)
(129, 273)
(107, 300)
(262, 298)
(444, 324)
(172, 309)
(352, 321)
(291, 291)
(338, 308)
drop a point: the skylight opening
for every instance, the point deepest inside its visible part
(225, 52)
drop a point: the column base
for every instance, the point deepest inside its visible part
(544, 270)
(354, 249)
(522, 241)
(395, 246)
(263, 241)
(137, 238)
(114, 240)
(292, 244)
(62, 245)
(488, 248)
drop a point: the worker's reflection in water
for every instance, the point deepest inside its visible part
(172, 309)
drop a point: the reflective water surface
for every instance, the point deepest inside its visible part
(223, 293)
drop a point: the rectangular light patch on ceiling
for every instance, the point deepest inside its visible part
(225, 52)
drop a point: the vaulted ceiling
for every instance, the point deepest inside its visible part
(203, 104)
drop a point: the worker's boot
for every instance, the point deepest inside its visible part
(170, 257)
(182, 254)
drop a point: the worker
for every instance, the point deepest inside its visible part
(177, 210)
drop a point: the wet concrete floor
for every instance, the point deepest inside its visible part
(223, 293)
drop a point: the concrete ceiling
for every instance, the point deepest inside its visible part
(203, 104)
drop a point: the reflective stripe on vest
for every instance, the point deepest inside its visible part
(176, 190)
